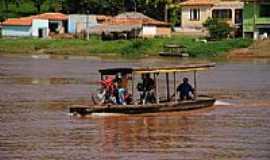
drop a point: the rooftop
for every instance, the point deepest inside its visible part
(24, 21)
(158, 69)
(52, 16)
(198, 2)
(27, 21)
(131, 18)
(126, 22)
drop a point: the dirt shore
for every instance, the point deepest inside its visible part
(259, 49)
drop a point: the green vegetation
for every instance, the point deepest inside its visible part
(18, 10)
(120, 47)
(217, 29)
(152, 8)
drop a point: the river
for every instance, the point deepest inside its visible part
(34, 121)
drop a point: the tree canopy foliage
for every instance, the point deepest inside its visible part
(218, 29)
(153, 8)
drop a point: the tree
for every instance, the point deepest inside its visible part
(6, 2)
(157, 9)
(217, 29)
(38, 4)
(2, 18)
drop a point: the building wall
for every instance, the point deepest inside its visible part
(17, 31)
(205, 12)
(40, 24)
(75, 20)
(149, 31)
(164, 31)
(153, 31)
(234, 5)
(254, 25)
(249, 12)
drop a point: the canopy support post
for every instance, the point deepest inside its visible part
(174, 86)
(132, 83)
(168, 86)
(156, 87)
(195, 85)
(101, 77)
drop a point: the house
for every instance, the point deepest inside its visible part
(25, 27)
(195, 12)
(150, 27)
(256, 18)
(36, 26)
(57, 21)
(133, 24)
(78, 23)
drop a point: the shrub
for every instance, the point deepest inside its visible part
(217, 29)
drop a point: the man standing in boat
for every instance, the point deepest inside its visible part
(185, 90)
(147, 86)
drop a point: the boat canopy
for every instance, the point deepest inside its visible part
(114, 71)
(168, 69)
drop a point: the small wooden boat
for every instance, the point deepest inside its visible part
(161, 105)
(174, 50)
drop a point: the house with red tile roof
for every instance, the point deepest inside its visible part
(131, 24)
(195, 12)
(37, 26)
(25, 27)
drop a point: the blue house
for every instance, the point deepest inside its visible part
(37, 26)
(25, 27)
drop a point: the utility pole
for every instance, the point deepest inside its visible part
(166, 13)
(254, 19)
(135, 10)
(87, 27)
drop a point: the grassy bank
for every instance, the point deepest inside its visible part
(120, 47)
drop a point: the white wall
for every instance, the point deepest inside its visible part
(39, 24)
(78, 19)
(194, 24)
(149, 31)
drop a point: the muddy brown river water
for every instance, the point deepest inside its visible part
(34, 123)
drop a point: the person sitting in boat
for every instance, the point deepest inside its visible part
(108, 85)
(185, 90)
(146, 87)
(121, 89)
(105, 92)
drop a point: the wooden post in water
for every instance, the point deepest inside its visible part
(168, 86)
(195, 85)
(174, 86)
(156, 88)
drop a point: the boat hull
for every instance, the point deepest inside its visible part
(148, 108)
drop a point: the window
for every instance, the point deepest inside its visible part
(195, 14)
(222, 13)
(264, 10)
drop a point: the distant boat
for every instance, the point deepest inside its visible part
(167, 104)
(174, 50)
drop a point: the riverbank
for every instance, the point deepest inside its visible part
(97, 47)
(258, 49)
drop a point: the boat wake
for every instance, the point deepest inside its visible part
(222, 103)
(96, 115)
(106, 114)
